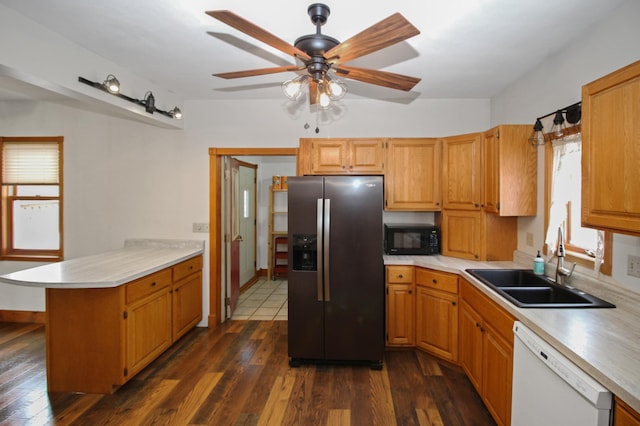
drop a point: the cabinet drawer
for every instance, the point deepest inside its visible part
(145, 286)
(437, 280)
(187, 267)
(400, 274)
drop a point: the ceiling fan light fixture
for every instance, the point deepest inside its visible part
(292, 89)
(324, 98)
(111, 84)
(336, 87)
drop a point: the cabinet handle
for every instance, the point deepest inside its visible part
(410, 291)
(453, 303)
(153, 284)
(435, 281)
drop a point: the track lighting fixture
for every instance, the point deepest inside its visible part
(558, 124)
(112, 85)
(176, 113)
(149, 102)
(572, 114)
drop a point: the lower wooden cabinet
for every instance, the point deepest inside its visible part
(400, 305)
(486, 350)
(98, 338)
(623, 415)
(437, 313)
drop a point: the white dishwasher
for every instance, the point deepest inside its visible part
(548, 389)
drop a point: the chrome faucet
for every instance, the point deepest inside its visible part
(562, 273)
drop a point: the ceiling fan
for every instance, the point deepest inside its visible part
(320, 54)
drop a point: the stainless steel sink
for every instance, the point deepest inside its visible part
(525, 289)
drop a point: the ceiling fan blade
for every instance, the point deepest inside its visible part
(260, 71)
(385, 33)
(256, 32)
(313, 92)
(380, 78)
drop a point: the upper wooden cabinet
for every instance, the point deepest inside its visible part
(412, 179)
(610, 153)
(510, 171)
(461, 172)
(342, 156)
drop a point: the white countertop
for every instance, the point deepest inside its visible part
(605, 343)
(136, 259)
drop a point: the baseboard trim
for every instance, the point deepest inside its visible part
(35, 317)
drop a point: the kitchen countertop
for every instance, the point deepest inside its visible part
(605, 343)
(138, 257)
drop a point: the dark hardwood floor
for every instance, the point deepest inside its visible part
(238, 374)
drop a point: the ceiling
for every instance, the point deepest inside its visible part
(466, 49)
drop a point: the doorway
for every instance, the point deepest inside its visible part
(217, 262)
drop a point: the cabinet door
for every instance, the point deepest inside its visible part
(610, 154)
(187, 304)
(471, 344)
(462, 234)
(497, 374)
(461, 168)
(400, 316)
(148, 326)
(623, 415)
(437, 322)
(366, 156)
(412, 178)
(329, 156)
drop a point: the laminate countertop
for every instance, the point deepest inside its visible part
(138, 257)
(605, 343)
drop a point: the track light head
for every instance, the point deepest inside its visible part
(149, 103)
(111, 84)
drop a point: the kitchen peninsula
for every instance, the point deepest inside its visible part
(111, 314)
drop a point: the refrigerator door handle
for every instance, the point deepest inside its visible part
(327, 236)
(319, 249)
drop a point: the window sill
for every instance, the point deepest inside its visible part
(27, 258)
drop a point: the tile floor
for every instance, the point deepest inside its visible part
(264, 301)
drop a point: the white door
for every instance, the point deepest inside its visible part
(247, 221)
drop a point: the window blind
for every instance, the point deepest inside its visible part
(30, 163)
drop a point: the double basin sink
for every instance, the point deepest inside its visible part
(525, 289)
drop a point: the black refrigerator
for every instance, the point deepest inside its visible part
(336, 270)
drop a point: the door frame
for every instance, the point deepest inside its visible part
(216, 234)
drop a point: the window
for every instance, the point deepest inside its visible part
(31, 201)
(563, 183)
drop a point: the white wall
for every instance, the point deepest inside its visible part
(557, 82)
(126, 179)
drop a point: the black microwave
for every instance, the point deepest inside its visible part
(411, 239)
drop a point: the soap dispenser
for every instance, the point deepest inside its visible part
(538, 265)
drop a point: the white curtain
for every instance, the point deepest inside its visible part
(565, 181)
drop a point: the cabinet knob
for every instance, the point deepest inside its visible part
(435, 281)
(410, 291)
(153, 284)
(453, 303)
(476, 205)
(400, 276)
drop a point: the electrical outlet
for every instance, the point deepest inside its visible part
(633, 266)
(529, 239)
(200, 227)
